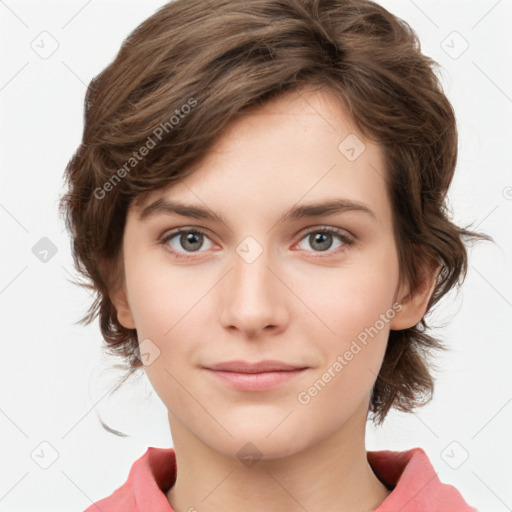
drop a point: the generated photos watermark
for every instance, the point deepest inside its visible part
(150, 143)
(342, 360)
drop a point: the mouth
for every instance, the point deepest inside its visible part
(259, 376)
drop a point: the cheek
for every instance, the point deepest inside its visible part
(170, 308)
(162, 296)
(356, 306)
(353, 297)
(351, 358)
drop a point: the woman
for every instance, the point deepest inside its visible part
(259, 202)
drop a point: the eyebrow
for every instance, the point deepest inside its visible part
(319, 209)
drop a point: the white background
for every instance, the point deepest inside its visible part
(54, 377)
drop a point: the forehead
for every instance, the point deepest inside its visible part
(300, 147)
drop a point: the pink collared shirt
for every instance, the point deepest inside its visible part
(412, 478)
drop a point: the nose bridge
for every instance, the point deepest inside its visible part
(251, 277)
(252, 298)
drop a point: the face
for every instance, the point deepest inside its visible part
(315, 290)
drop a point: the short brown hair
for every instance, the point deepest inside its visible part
(223, 57)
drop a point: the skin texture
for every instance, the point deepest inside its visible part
(295, 303)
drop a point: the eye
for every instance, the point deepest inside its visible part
(321, 240)
(187, 239)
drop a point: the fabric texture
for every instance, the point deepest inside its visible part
(412, 478)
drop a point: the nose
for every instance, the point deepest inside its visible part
(254, 299)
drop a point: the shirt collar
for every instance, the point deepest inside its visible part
(416, 486)
(414, 482)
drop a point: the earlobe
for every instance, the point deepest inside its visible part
(124, 313)
(414, 305)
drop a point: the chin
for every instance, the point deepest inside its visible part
(254, 442)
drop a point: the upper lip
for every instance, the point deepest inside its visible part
(258, 367)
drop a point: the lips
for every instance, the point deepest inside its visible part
(257, 367)
(250, 377)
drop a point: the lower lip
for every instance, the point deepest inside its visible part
(255, 381)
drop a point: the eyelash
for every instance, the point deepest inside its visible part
(347, 242)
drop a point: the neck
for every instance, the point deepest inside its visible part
(332, 474)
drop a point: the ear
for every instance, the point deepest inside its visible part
(124, 314)
(414, 304)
